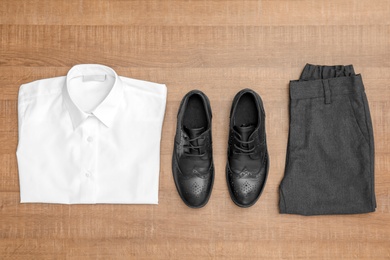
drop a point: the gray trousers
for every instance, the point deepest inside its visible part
(330, 154)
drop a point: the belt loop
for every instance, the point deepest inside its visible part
(327, 93)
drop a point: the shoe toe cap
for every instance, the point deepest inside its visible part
(195, 191)
(245, 191)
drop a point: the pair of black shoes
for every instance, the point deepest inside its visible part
(248, 162)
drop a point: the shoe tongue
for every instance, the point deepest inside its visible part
(194, 132)
(243, 160)
(245, 131)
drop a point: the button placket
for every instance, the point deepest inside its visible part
(92, 139)
(88, 161)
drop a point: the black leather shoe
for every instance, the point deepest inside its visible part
(192, 161)
(248, 162)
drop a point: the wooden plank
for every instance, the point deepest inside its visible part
(101, 248)
(194, 12)
(179, 46)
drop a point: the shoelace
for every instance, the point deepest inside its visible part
(195, 148)
(242, 149)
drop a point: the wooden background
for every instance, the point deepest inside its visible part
(219, 47)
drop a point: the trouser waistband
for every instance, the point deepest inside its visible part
(326, 81)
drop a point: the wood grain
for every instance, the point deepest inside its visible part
(219, 47)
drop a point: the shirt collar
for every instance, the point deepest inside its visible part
(107, 109)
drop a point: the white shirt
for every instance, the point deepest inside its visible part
(90, 137)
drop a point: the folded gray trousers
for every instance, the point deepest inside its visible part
(330, 154)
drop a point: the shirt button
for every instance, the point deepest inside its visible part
(87, 174)
(90, 139)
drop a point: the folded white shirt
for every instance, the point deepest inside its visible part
(90, 137)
